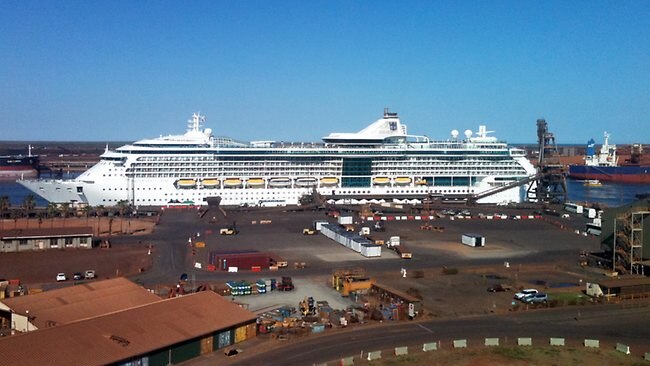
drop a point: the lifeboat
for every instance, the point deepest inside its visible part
(280, 182)
(232, 182)
(306, 182)
(402, 180)
(421, 182)
(329, 181)
(186, 183)
(381, 180)
(210, 183)
(255, 183)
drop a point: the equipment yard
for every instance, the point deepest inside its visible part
(187, 251)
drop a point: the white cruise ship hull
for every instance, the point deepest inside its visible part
(164, 193)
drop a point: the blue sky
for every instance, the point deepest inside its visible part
(297, 70)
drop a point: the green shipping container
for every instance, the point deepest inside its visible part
(186, 351)
(160, 358)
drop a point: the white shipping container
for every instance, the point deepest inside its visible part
(473, 240)
(319, 224)
(356, 246)
(589, 213)
(345, 220)
(370, 250)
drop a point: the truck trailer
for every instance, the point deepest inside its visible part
(473, 240)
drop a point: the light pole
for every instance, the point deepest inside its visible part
(27, 315)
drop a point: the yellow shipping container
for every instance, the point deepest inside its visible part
(240, 334)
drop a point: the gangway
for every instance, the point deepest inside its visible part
(472, 199)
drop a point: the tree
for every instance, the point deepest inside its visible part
(5, 204)
(28, 205)
(99, 210)
(122, 206)
(110, 226)
(65, 211)
(52, 211)
(14, 216)
(86, 209)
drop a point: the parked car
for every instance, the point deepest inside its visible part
(89, 274)
(535, 298)
(499, 288)
(61, 277)
(77, 276)
(523, 293)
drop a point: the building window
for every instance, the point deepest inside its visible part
(23, 242)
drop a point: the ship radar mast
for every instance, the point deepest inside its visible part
(194, 124)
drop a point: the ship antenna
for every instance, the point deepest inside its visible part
(194, 124)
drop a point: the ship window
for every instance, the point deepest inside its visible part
(80, 189)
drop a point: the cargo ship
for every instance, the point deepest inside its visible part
(604, 165)
(18, 166)
(380, 162)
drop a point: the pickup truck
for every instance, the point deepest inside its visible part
(499, 288)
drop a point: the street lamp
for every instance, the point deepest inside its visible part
(27, 315)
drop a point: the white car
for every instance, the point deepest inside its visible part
(523, 293)
(61, 277)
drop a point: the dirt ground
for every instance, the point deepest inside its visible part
(38, 269)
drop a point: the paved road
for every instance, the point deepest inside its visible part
(607, 323)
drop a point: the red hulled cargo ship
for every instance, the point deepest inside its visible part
(604, 166)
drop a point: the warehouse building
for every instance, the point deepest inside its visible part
(65, 305)
(168, 331)
(18, 240)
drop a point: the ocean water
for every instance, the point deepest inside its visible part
(608, 194)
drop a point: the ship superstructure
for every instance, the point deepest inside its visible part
(381, 161)
(604, 165)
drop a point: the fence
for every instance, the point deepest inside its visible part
(464, 343)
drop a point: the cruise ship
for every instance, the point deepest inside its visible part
(380, 162)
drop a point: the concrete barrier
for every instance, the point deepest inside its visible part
(401, 351)
(374, 355)
(491, 342)
(433, 346)
(592, 343)
(460, 343)
(623, 348)
(347, 361)
(556, 341)
(526, 341)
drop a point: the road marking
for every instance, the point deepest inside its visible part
(425, 328)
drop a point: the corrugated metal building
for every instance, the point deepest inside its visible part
(18, 240)
(68, 304)
(165, 332)
(625, 286)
